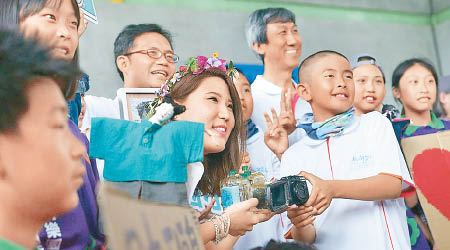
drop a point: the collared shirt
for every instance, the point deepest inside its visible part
(435, 124)
(146, 151)
(8, 245)
(367, 148)
(267, 95)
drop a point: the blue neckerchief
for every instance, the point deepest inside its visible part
(251, 129)
(74, 107)
(331, 127)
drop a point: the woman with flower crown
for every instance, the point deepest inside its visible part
(199, 104)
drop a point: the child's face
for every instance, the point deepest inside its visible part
(55, 26)
(369, 88)
(41, 161)
(143, 71)
(245, 95)
(444, 98)
(211, 104)
(417, 89)
(331, 90)
(284, 45)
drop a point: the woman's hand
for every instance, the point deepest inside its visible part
(206, 213)
(244, 215)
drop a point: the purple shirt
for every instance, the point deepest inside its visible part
(418, 240)
(77, 229)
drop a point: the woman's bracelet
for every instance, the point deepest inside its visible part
(221, 226)
(216, 229)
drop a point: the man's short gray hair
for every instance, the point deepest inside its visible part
(256, 27)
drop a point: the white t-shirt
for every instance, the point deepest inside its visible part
(367, 148)
(99, 107)
(267, 95)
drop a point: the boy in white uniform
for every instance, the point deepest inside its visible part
(352, 162)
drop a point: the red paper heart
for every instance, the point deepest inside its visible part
(431, 173)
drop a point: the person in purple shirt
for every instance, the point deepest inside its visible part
(40, 159)
(79, 227)
(414, 84)
(58, 25)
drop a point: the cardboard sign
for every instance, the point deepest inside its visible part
(89, 10)
(428, 158)
(135, 224)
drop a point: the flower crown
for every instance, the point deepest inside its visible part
(194, 65)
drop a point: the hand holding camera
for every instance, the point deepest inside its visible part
(321, 195)
(275, 196)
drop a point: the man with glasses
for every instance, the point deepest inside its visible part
(144, 59)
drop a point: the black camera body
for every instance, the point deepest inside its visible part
(282, 193)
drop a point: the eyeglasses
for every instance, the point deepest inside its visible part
(156, 54)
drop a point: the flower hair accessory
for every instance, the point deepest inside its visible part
(194, 65)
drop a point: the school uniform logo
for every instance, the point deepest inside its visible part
(362, 161)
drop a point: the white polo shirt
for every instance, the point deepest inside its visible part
(367, 148)
(267, 95)
(97, 106)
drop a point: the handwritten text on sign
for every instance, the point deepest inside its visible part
(134, 224)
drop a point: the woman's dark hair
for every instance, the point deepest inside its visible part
(217, 165)
(13, 12)
(22, 61)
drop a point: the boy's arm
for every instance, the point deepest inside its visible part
(302, 218)
(377, 187)
(305, 234)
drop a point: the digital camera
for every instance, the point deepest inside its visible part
(282, 193)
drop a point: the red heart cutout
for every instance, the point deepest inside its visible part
(431, 173)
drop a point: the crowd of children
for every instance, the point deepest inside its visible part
(207, 120)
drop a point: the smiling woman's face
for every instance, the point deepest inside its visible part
(211, 104)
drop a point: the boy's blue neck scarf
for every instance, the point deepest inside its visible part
(331, 127)
(251, 129)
